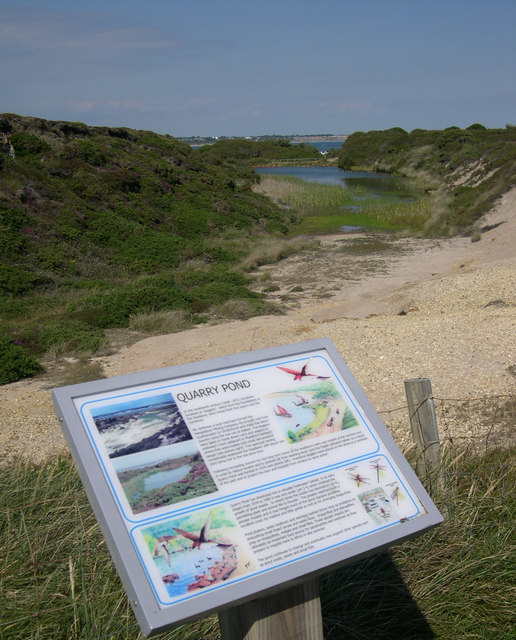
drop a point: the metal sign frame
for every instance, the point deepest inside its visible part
(296, 499)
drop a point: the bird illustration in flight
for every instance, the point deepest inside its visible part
(161, 547)
(299, 375)
(200, 539)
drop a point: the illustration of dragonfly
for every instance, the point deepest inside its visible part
(395, 495)
(359, 479)
(282, 412)
(378, 467)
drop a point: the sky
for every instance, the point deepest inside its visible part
(241, 67)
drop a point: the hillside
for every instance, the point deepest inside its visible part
(466, 169)
(98, 224)
(247, 153)
(105, 228)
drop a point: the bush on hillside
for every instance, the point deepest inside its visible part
(15, 362)
(27, 144)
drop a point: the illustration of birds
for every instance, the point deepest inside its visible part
(201, 538)
(299, 375)
(160, 547)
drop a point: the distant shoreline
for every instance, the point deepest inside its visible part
(200, 141)
(329, 138)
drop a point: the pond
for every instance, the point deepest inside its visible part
(162, 478)
(346, 201)
(380, 184)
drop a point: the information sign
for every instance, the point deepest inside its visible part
(219, 480)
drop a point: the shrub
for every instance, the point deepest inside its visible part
(12, 221)
(67, 335)
(27, 144)
(113, 308)
(14, 281)
(15, 362)
(71, 336)
(92, 153)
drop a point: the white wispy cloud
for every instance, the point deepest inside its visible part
(142, 106)
(69, 42)
(342, 107)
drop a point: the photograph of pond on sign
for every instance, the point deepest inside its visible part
(311, 411)
(198, 551)
(163, 476)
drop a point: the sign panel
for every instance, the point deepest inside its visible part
(222, 479)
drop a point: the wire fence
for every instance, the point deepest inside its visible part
(56, 576)
(476, 423)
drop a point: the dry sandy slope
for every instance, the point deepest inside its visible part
(461, 333)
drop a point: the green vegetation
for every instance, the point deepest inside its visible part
(100, 225)
(104, 228)
(15, 362)
(467, 169)
(456, 581)
(243, 155)
(239, 150)
(326, 208)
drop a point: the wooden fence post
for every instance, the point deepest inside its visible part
(423, 422)
(292, 614)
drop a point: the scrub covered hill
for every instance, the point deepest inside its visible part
(98, 224)
(466, 169)
(246, 154)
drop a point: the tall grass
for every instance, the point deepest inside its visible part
(57, 578)
(327, 207)
(457, 581)
(160, 322)
(269, 250)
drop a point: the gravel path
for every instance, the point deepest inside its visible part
(457, 301)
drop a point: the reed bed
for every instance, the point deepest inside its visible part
(325, 208)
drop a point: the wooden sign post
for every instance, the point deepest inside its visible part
(291, 614)
(229, 485)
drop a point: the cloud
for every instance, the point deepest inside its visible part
(198, 102)
(85, 105)
(342, 107)
(117, 106)
(80, 42)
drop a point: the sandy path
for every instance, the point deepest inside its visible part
(459, 330)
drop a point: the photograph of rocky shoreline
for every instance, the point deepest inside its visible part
(131, 426)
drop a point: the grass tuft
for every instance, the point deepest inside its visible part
(269, 250)
(160, 322)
